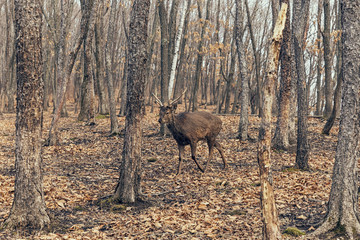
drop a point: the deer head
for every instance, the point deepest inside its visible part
(167, 112)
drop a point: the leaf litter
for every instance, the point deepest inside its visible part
(220, 204)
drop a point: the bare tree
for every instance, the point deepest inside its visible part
(343, 206)
(128, 189)
(109, 59)
(28, 209)
(200, 54)
(244, 78)
(270, 218)
(281, 136)
(327, 59)
(299, 29)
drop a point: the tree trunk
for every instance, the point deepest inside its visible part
(327, 60)
(200, 55)
(99, 59)
(109, 48)
(87, 102)
(258, 98)
(60, 93)
(300, 19)
(343, 206)
(28, 209)
(271, 229)
(244, 78)
(281, 136)
(319, 92)
(164, 97)
(176, 49)
(337, 95)
(128, 189)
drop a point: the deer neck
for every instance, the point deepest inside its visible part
(173, 125)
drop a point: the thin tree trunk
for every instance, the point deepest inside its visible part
(84, 25)
(271, 229)
(319, 58)
(244, 78)
(327, 60)
(337, 95)
(200, 55)
(256, 59)
(176, 51)
(281, 136)
(109, 47)
(300, 19)
(87, 103)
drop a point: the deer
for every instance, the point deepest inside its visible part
(188, 128)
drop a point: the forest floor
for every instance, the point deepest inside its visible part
(220, 204)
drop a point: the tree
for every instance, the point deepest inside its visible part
(281, 136)
(327, 59)
(28, 209)
(87, 104)
(270, 218)
(244, 78)
(343, 206)
(128, 189)
(86, 19)
(337, 95)
(299, 29)
(200, 54)
(109, 48)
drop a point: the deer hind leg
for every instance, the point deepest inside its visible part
(193, 155)
(211, 148)
(181, 154)
(219, 148)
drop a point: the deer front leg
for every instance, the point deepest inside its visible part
(181, 154)
(193, 155)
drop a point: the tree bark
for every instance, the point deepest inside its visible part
(84, 25)
(337, 95)
(200, 55)
(87, 102)
(99, 59)
(327, 60)
(244, 78)
(28, 209)
(109, 48)
(258, 98)
(343, 206)
(271, 229)
(128, 189)
(176, 49)
(319, 92)
(300, 19)
(281, 136)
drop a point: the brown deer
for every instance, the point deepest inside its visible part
(190, 128)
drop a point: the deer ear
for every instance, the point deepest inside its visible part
(174, 106)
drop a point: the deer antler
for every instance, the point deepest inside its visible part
(177, 99)
(158, 100)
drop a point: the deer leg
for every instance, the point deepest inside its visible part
(193, 155)
(181, 154)
(211, 147)
(219, 148)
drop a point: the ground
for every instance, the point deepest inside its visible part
(220, 204)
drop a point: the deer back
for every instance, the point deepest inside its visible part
(195, 126)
